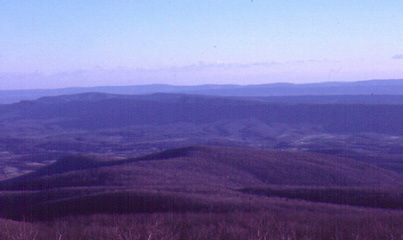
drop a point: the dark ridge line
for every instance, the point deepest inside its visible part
(81, 162)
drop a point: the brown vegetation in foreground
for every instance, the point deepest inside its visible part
(380, 197)
(236, 225)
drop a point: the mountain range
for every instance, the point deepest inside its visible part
(94, 111)
(370, 87)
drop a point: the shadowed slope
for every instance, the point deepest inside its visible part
(81, 162)
(207, 166)
(66, 164)
(190, 178)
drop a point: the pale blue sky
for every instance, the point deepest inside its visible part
(111, 42)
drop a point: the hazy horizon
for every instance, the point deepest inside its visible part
(191, 85)
(47, 45)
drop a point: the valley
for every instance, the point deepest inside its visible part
(105, 158)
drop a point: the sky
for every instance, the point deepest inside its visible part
(53, 44)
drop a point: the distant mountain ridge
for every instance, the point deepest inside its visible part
(370, 87)
(97, 111)
(306, 99)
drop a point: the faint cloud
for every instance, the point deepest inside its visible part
(222, 65)
(203, 66)
(398, 56)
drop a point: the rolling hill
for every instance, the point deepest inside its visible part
(197, 178)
